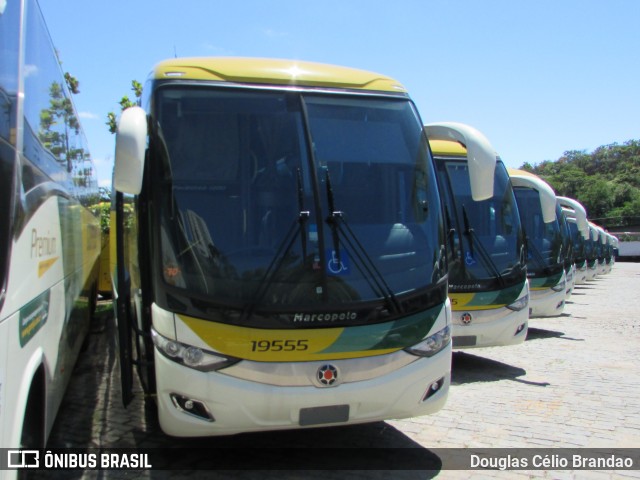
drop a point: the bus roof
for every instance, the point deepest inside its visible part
(577, 210)
(522, 178)
(472, 144)
(274, 72)
(451, 148)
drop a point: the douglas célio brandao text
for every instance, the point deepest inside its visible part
(552, 461)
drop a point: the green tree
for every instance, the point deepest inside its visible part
(59, 125)
(606, 181)
(125, 102)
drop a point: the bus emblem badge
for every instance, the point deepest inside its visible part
(327, 375)
(466, 318)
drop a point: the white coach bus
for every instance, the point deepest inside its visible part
(488, 284)
(284, 266)
(49, 239)
(545, 266)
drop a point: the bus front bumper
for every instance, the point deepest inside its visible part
(221, 404)
(546, 303)
(489, 328)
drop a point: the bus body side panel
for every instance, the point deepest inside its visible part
(19, 381)
(4, 359)
(51, 306)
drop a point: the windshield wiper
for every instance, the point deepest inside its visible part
(484, 255)
(364, 263)
(537, 255)
(297, 228)
(451, 234)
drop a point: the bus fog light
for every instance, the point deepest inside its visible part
(191, 407)
(520, 328)
(433, 389)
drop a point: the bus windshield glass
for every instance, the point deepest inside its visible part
(578, 242)
(485, 236)
(275, 201)
(544, 242)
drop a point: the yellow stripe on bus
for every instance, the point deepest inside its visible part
(45, 265)
(267, 345)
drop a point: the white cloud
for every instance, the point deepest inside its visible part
(271, 33)
(30, 70)
(88, 115)
(216, 50)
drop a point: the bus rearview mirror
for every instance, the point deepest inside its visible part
(131, 140)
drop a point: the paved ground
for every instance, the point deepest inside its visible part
(574, 383)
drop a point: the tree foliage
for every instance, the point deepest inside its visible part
(125, 102)
(606, 181)
(59, 125)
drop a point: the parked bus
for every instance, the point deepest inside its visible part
(608, 255)
(545, 258)
(574, 239)
(288, 264)
(601, 244)
(592, 247)
(487, 262)
(567, 248)
(612, 246)
(49, 239)
(579, 230)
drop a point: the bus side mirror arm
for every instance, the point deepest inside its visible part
(131, 143)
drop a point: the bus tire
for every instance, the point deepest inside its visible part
(33, 424)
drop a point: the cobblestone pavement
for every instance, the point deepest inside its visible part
(574, 383)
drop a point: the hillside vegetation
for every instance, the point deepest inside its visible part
(606, 181)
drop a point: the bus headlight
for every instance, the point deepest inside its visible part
(560, 287)
(519, 304)
(432, 344)
(190, 356)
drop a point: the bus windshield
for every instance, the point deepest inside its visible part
(544, 242)
(578, 242)
(275, 201)
(485, 236)
(565, 235)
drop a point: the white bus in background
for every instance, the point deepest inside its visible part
(49, 239)
(577, 251)
(567, 249)
(579, 227)
(545, 257)
(602, 250)
(609, 255)
(613, 248)
(592, 249)
(488, 284)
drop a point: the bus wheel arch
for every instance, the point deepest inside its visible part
(33, 426)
